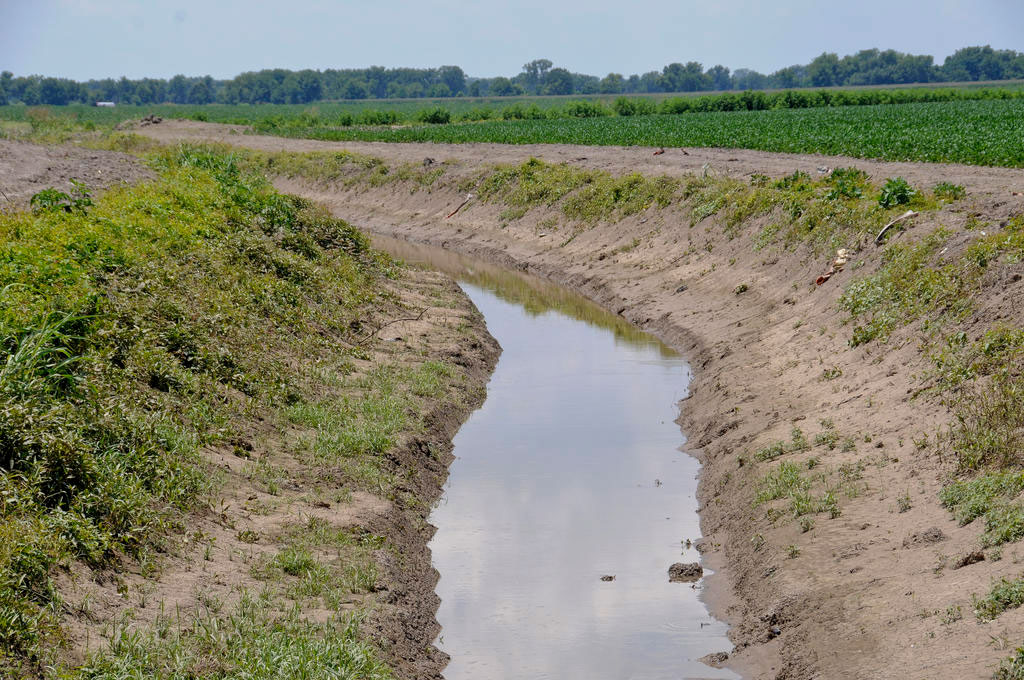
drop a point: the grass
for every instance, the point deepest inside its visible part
(254, 642)
(1004, 595)
(139, 330)
(787, 482)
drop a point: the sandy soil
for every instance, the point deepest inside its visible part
(865, 595)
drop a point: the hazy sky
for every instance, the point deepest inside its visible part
(85, 39)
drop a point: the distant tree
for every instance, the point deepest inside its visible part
(439, 90)
(558, 81)
(475, 88)
(584, 84)
(201, 91)
(503, 87)
(982, 63)
(824, 70)
(6, 78)
(791, 76)
(354, 90)
(689, 78)
(453, 77)
(535, 74)
(651, 82)
(720, 79)
(746, 79)
(177, 89)
(31, 94)
(612, 84)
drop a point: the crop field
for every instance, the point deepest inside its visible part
(971, 132)
(984, 131)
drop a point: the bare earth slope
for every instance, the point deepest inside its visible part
(872, 593)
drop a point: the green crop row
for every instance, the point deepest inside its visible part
(972, 132)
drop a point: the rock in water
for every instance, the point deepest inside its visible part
(685, 573)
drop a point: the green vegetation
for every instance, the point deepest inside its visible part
(867, 67)
(971, 132)
(146, 326)
(256, 643)
(1012, 668)
(1004, 595)
(787, 482)
(798, 442)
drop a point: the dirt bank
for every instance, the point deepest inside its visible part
(26, 169)
(871, 593)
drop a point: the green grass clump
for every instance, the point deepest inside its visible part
(253, 642)
(584, 195)
(1004, 595)
(787, 482)
(915, 282)
(133, 333)
(798, 442)
(1011, 668)
(973, 498)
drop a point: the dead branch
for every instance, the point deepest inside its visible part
(905, 216)
(469, 197)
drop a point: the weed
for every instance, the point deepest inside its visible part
(1003, 595)
(896, 191)
(949, 191)
(792, 551)
(952, 614)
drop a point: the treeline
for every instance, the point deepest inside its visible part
(538, 77)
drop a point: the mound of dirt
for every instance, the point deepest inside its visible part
(26, 169)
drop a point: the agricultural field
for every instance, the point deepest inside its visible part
(976, 127)
(972, 132)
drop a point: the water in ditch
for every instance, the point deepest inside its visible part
(571, 471)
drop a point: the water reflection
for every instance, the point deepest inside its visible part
(571, 470)
(534, 294)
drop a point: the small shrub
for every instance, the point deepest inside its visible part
(949, 191)
(437, 115)
(896, 191)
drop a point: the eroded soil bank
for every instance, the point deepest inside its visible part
(877, 588)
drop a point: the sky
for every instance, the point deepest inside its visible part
(85, 39)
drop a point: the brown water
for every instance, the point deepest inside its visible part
(571, 470)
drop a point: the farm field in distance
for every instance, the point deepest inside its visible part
(984, 131)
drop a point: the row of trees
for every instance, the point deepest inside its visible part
(281, 86)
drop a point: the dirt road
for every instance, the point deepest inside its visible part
(872, 593)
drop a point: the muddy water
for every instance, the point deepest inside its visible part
(570, 471)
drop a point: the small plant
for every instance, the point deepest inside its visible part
(896, 191)
(949, 191)
(806, 524)
(951, 615)
(757, 541)
(903, 503)
(792, 551)
(52, 200)
(1004, 595)
(832, 373)
(740, 289)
